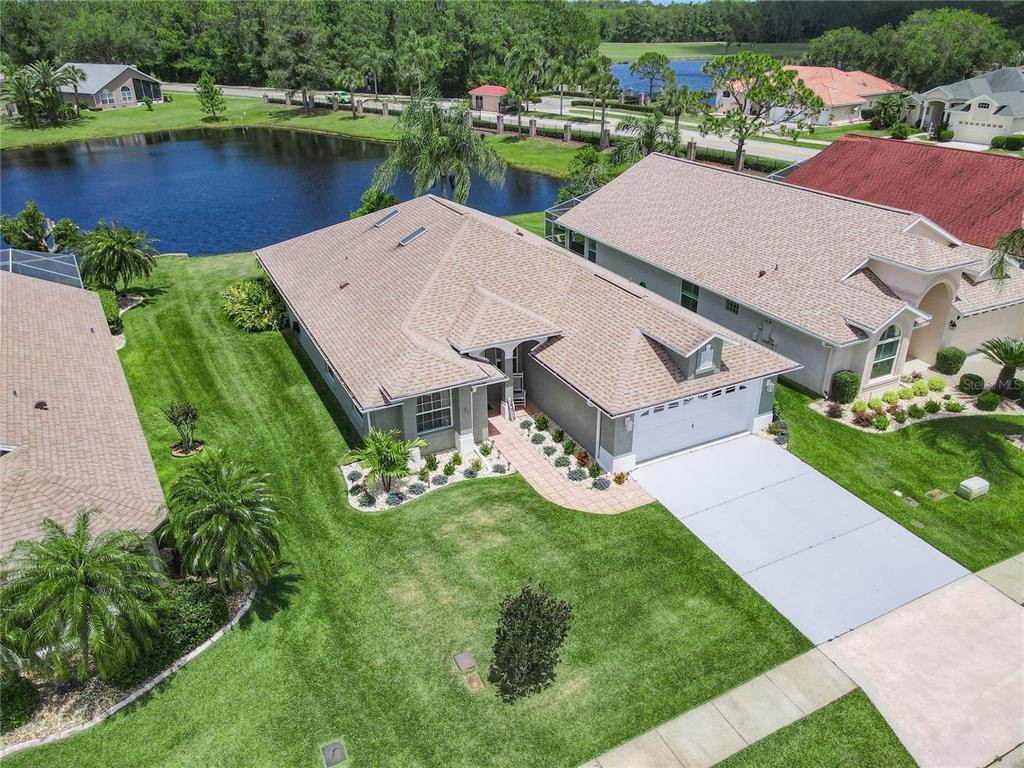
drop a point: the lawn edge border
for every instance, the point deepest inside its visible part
(139, 692)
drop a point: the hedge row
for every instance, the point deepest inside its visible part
(1013, 142)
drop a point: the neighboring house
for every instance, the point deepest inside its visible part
(845, 94)
(975, 196)
(107, 86)
(69, 437)
(978, 108)
(487, 98)
(430, 316)
(832, 283)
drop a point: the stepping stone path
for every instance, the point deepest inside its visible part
(464, 661)
(936, 495)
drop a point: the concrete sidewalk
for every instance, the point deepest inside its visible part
(711, 732)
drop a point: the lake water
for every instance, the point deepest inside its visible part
(207, 191)
(688, 73)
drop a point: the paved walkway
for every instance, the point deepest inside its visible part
(1007, 577)
(721, 727)
(550, 481)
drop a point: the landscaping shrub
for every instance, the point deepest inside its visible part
(953, 406)
(1014, 142)
(867, 113)
(906, 393)
(901, 131)
(541, 422)
(971, 384)
(562, 461)
(916, 411)
(891, 396)
(499, 469)
(881, 423)
(526, 424)
(457, 458)
(367, 500)
(936, 384)
(620, 478)
(582, 458)
(863, 418)
(998, 142)
(439, 479)
(188, 613)
(988, 401)
(845, 386)
(1014, 389)
(395, 498)
(423, 475)
(476, 465)
(860, 406)
(569, 447)
(416, 489)
(355, 489)
(594, 469)
(485, 449)
(108, 300)
(876, 404)
(577, 474)
(469, 474)
(148, 102)
(558, 435)
(431, 462)
(537, 438)
(254, 305)
(601, 484)
(920, 388)
(932, 406)
(945, 135)
(949, 360)
(184, 417)
(449, 469)
(354, 475)
(549, 450)
(834, 410)
(899, 415)
(20, 701)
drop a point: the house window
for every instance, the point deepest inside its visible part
(885, 352)
(106, 97)
(591, 250)
(433, 411)
(478, 102)
(688, 298)
(984, 105)
(732, 306)
(126, 94)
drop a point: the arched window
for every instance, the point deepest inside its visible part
(126, 94)
(106, 97)
(886, 351)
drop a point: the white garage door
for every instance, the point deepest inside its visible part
(695, 420)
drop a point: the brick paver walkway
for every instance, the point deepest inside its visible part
(550, 481)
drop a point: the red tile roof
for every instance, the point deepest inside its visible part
(973, 195)
(489, 90)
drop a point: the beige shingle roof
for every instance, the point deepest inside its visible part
(87, 447)
(472, 281)
(972, 297)
(781, 249)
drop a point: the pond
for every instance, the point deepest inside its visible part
(208, 191)
(688, 73)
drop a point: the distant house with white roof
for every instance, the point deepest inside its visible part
(107, 86)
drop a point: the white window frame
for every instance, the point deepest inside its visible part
(892, 338)
(106, 97)
(131, 95)
(694, 296)
(706, 361)
(434, 409)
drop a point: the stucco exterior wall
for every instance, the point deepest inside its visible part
(387, 418)
(971, 331)
(616, 438)
(561, 403)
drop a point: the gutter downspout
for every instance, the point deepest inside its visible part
(828, 367)
(597, 441)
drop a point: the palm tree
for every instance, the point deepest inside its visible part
(1007, 253)
(49, 79)
(223, 521)
(417, 58)
(113, 253)
(677, 100)
(602, 86)
(525, 63)
(561, 73)
(350, 79)
(646, 134)
(20, 89)
(373, 60)
(517, 92)
(437, 144)
(386, 455)
(1008, 353)
(76, 75)
(85, 601)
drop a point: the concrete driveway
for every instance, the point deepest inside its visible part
(825, 559)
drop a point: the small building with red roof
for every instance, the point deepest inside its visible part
(973, 196)
(487, 98)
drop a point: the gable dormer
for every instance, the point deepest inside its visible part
(704, 359)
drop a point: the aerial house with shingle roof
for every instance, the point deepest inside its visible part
(108, 86)
(429, 317)
(830, 282)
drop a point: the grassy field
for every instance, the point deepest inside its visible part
(354, 637)
(833, 132)
(542, 156)
(531, 222)
(934, 454)
(847, 732)
(630, 52)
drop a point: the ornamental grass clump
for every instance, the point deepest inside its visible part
(932, 406)
(915, 411)
(920, 388)
(537, 438)
(881, 423)
(549, 450)
(254, 305)
(569, 447)
(577, 474)
(891, 397)
(485, 449)
(876, 404)
(594, 469)
(936, 384)
(562, 461)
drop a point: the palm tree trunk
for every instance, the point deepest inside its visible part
(352, 99)
(561, 98)
(1006, 375)
(677, 124)
(305, 102)
(78, 107)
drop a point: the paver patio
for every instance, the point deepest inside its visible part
(550, 481)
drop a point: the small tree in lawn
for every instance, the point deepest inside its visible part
(183, 417)
(31, 230)
(652, 67)
(768, 98)
(211, 97)
(386, 455)
(351, 79)
(531, 631)
(112, 253)
(889, 110)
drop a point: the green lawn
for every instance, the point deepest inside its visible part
(354, 638)
(847, 732)
(550, 156)
(934, 454)
(833, 132)
(630, 52)
(531, 222)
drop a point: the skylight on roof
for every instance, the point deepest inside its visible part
(412, 236)
(387, 217)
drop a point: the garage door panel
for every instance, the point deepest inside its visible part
(686, 423)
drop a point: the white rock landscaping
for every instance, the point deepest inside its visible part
(566, 462)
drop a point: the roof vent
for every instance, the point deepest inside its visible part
(41, 405)
(412, 236)
(343, 285)
(762, 273)
(387, 217)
